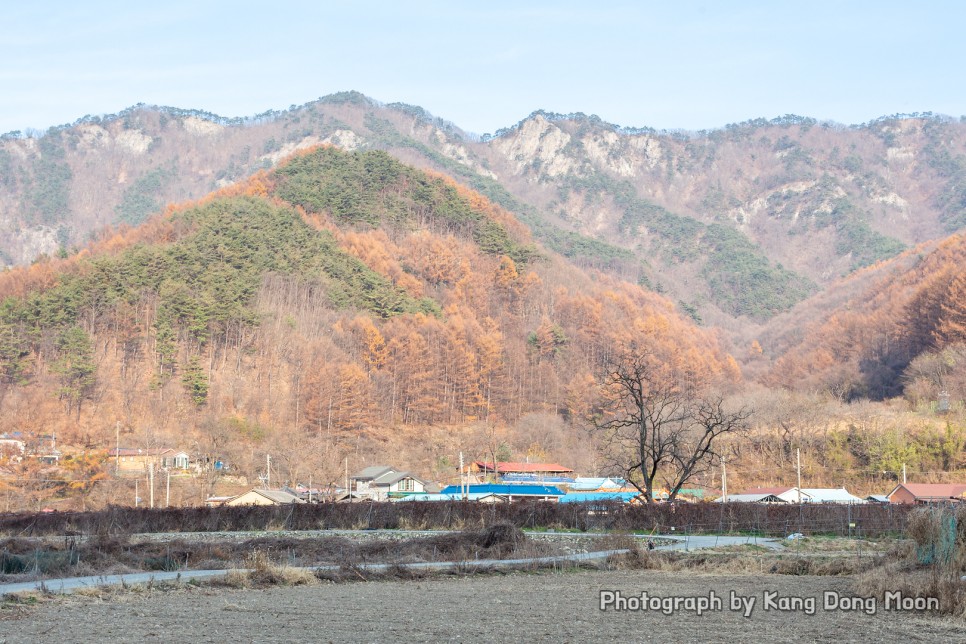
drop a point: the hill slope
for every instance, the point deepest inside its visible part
(896, 325)
(341, 303)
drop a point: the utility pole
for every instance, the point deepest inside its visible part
(724, 481)
(347, 490)
(167, 490)
(151, 483)
(136, 481)
(462, 480)
(798, 455)
(903, 473)
(268, 471)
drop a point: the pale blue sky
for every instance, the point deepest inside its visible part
(485, 65)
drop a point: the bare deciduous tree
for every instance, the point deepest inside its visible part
(654, 424)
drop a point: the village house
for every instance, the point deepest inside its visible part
(132, 461)
(382, 482)
(508, 472)
(928, 493)
(11, 448)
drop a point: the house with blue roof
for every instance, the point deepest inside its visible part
(512, 492)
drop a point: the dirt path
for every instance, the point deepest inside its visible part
(559, 607)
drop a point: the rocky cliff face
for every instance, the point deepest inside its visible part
(735, 224)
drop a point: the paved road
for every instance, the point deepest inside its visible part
(697, 542)
(662, 542)
(70, 584)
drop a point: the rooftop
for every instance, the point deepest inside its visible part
(933, 490)
(502, 467)
(372, 472)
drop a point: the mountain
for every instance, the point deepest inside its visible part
(735, 225)
(340, 303)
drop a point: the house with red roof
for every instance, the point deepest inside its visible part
(928, 493)
(508, 472)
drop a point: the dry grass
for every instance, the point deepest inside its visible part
(262, 572)
(733, 561)
(931, 564)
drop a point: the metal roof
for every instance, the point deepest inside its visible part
(391, 477)
(276, 496)
(768, 490)
(830, 495)
(591, 483)
(932, 490)
(523, 468)
(372, 472)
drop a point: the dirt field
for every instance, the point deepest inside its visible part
(559, 607)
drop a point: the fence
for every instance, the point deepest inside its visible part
(723, 518)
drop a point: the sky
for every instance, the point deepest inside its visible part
(487, 65)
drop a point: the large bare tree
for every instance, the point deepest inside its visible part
(656, 424)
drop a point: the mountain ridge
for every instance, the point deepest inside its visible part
(735, 225)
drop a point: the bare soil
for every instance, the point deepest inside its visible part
(558, 607)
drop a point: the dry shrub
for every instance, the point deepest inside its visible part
(923, 527)
(264, 572)
(235, 579)
(738, 563)
(636, 559)
(914, 581)
(930, 565)
(498, 541)
(617, 541)
(92, 592)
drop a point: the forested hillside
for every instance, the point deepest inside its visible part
(343, 303)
